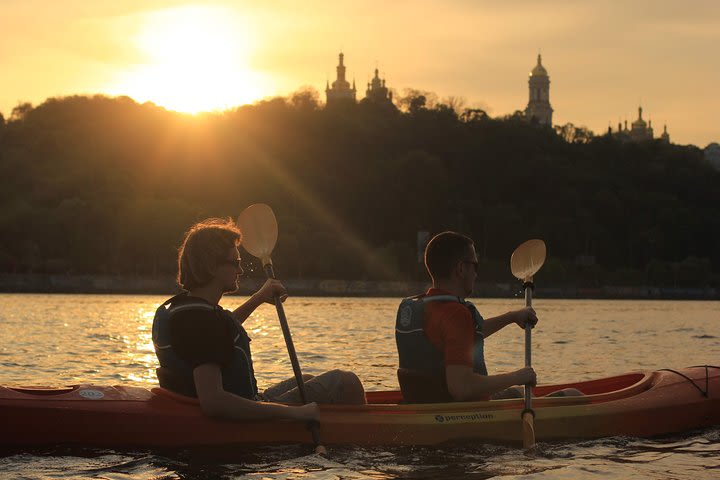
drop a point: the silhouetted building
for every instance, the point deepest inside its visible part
(340, 92)
(712, 155)
(377, 92)
(639, 131)
(539, 103)
(665, 137)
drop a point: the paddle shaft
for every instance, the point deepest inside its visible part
(528, 286)
(288, 338)
(313, 425)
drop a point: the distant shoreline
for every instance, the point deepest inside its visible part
(165, 285)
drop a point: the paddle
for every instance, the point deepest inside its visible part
(525, 262)
(260, 230)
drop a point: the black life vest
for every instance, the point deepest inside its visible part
(177, 375)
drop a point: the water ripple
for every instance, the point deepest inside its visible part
(105, 340)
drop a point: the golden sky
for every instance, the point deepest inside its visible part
(604, 58)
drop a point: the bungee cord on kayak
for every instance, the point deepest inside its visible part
(705, 392)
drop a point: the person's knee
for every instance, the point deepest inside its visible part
(572, 392)
(566, 392)
(351, 390)
(508, 393)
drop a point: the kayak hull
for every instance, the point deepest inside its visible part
(638, 404)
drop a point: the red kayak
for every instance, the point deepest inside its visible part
(635, 404)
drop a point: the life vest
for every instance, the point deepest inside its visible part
(177, 375)
(422, 369)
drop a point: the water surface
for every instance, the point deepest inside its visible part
(71, 339)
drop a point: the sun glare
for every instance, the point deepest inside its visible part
(196, 59)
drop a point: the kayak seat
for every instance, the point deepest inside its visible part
(170, 381)
(422, 387)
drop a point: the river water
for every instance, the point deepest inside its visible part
(70, 339)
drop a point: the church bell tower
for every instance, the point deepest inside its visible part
(539, 102)
(340, 91)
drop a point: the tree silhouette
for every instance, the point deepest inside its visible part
(107, 185)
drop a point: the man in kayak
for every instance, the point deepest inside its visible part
(440, 336)
(204, 350)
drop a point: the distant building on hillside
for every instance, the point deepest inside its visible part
(712, 155)
(377, 92)
(538, 106)
(639, 131)
(341, 91)
(665, 137)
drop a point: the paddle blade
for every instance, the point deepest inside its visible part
(527, 259)
(528, 431)
(260, 230)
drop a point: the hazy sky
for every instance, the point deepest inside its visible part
(604, 58)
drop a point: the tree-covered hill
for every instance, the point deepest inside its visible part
(107, 185)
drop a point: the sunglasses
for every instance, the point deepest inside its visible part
(235, 262)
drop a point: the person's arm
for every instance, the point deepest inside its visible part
(520, 317)
(266, 294)
(464, 385)
(458, 334)
(217, 403)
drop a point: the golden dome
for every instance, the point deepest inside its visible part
(539, 70)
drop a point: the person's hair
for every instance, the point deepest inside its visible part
(444, 251)
(205, 244)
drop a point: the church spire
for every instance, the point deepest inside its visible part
(341, 68)
(665, 137)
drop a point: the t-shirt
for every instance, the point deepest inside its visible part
(200, 336)
(450, 327)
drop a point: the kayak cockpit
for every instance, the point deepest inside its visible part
(596, 387)
(602, 389)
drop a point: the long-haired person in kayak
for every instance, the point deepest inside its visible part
(204, 350)
(440, 336)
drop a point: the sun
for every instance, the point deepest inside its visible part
(195, 59)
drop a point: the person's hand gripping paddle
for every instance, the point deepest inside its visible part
(260, 230)
(525, 262)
